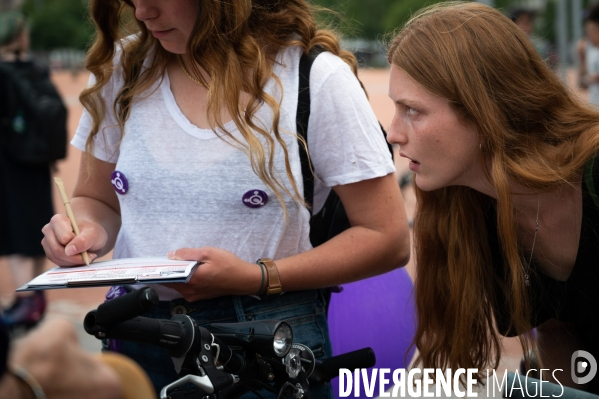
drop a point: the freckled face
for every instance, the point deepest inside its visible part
(443, 149)
(170, 21)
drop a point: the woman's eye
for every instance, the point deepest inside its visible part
(411, 111)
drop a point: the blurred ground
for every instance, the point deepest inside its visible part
(74, 303)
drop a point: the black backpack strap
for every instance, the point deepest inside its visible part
(302, 118)
(331, 219)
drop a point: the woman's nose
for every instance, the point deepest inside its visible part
(396, 133)
(145, 10)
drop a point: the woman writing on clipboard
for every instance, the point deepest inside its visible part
(191, 151)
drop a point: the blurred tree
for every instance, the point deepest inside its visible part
(64, 23)
(547, 16)
(357, 18)
(400, 12)
(6, 5)
(58, 24)
(374, 18)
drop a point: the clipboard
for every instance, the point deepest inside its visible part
(155, 270)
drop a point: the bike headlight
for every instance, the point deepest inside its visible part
(283, 338)
(293, 363)
(269, 338)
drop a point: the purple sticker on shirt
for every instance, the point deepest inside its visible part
(119, 182)
(255, 199)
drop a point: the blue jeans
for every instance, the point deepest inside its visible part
(303, 310)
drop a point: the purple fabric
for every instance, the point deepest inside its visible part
(379, 313)
(115, 291)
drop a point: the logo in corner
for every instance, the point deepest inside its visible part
(583, 362)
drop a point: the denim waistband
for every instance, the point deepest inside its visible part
(244, 308)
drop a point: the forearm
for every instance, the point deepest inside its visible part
(377, 242)
(355, 254)
(96, 211)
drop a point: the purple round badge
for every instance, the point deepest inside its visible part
(119, 182)
(255, 198)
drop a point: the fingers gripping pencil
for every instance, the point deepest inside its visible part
(67, 206)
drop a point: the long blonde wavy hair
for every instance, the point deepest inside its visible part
(228, 41)
(533, 131)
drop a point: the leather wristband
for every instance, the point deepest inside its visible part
(273, 280)
(261, 290)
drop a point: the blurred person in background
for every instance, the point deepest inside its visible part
(588, 54)
(506, 178)
(32, 136)
(525, 18)
(50, 363)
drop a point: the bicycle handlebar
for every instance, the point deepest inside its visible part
(176, 334)
(221, 354)
(126, 307)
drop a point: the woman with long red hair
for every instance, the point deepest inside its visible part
(503, 155)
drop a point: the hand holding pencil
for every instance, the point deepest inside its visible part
(67, 205)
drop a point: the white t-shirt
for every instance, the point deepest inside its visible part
(186, 184)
